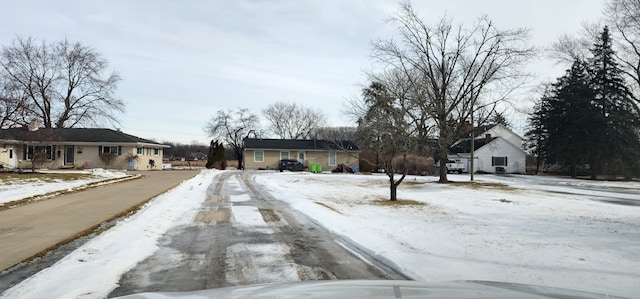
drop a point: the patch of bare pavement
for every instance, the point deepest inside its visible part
(219, 249)
(34, 229)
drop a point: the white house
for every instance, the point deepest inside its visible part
(496, 149)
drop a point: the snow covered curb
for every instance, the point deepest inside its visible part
(94, 269)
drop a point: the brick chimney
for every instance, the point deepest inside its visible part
(487, 138)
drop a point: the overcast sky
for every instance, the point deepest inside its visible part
(181, 61)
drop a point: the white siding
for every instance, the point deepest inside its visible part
(500, 148)
(504, 132)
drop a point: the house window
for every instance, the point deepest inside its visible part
(110, 149)
(48, 150)
(140, 150)
(498, 161)
(148, 151)
(284, 155)
(332, 158)
(258, 156)
(156, 151)
(301, 156)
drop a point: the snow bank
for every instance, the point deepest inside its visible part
(17, 189)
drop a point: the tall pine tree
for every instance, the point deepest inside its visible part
(589, 116)
(617, 138)
(563, 118)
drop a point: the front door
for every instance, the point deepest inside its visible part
(68, 155)
(13, 160)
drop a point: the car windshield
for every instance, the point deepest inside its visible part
(170, 146)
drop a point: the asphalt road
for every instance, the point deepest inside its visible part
(217, 250)
(33, 229)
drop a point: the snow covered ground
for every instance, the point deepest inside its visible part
(535, 230)
(17, 187)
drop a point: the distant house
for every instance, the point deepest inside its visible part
(496, 149)
(266, 153)
(77, 148)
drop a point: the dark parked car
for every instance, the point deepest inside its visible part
(290, 164)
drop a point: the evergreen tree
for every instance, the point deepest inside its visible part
(216, 157)
(574, 117)
(563, 119)
(500, 118)
(589, 116)
(538, 134)
(616, 139)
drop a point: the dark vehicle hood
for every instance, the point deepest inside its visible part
(378, 289)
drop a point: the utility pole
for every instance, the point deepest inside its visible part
(473, 144)
(473, 136)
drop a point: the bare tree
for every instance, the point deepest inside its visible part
(232, 127)
(624, 19)
(290, 121)
(336, 133)
(399, 86)
(384, 127)
(449, 68)
(12, 104)
(65, 83)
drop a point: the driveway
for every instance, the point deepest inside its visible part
(241, 236)
(33, 229)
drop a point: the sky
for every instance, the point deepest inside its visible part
(182, 61)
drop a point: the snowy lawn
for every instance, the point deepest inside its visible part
(535, 230)
(14, 186)
(510, 229)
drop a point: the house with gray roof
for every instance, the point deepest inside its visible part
(266, 153)
(75, 148)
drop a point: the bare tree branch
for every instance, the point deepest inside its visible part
(290, 121)
(450, 68)
(233, 126)
(65, 83)
(624, 18)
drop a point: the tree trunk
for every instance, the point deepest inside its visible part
(394, 191)
(443, 148)
(239, 155)
(443, 153)
(392, 186)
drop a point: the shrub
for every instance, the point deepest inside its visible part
(417, 165)
(108, 159)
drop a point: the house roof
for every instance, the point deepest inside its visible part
(294, 144)
(481, 129)
(464, 145)
(73, 135)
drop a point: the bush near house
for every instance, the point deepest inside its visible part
(417, 165)
(108, 159)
